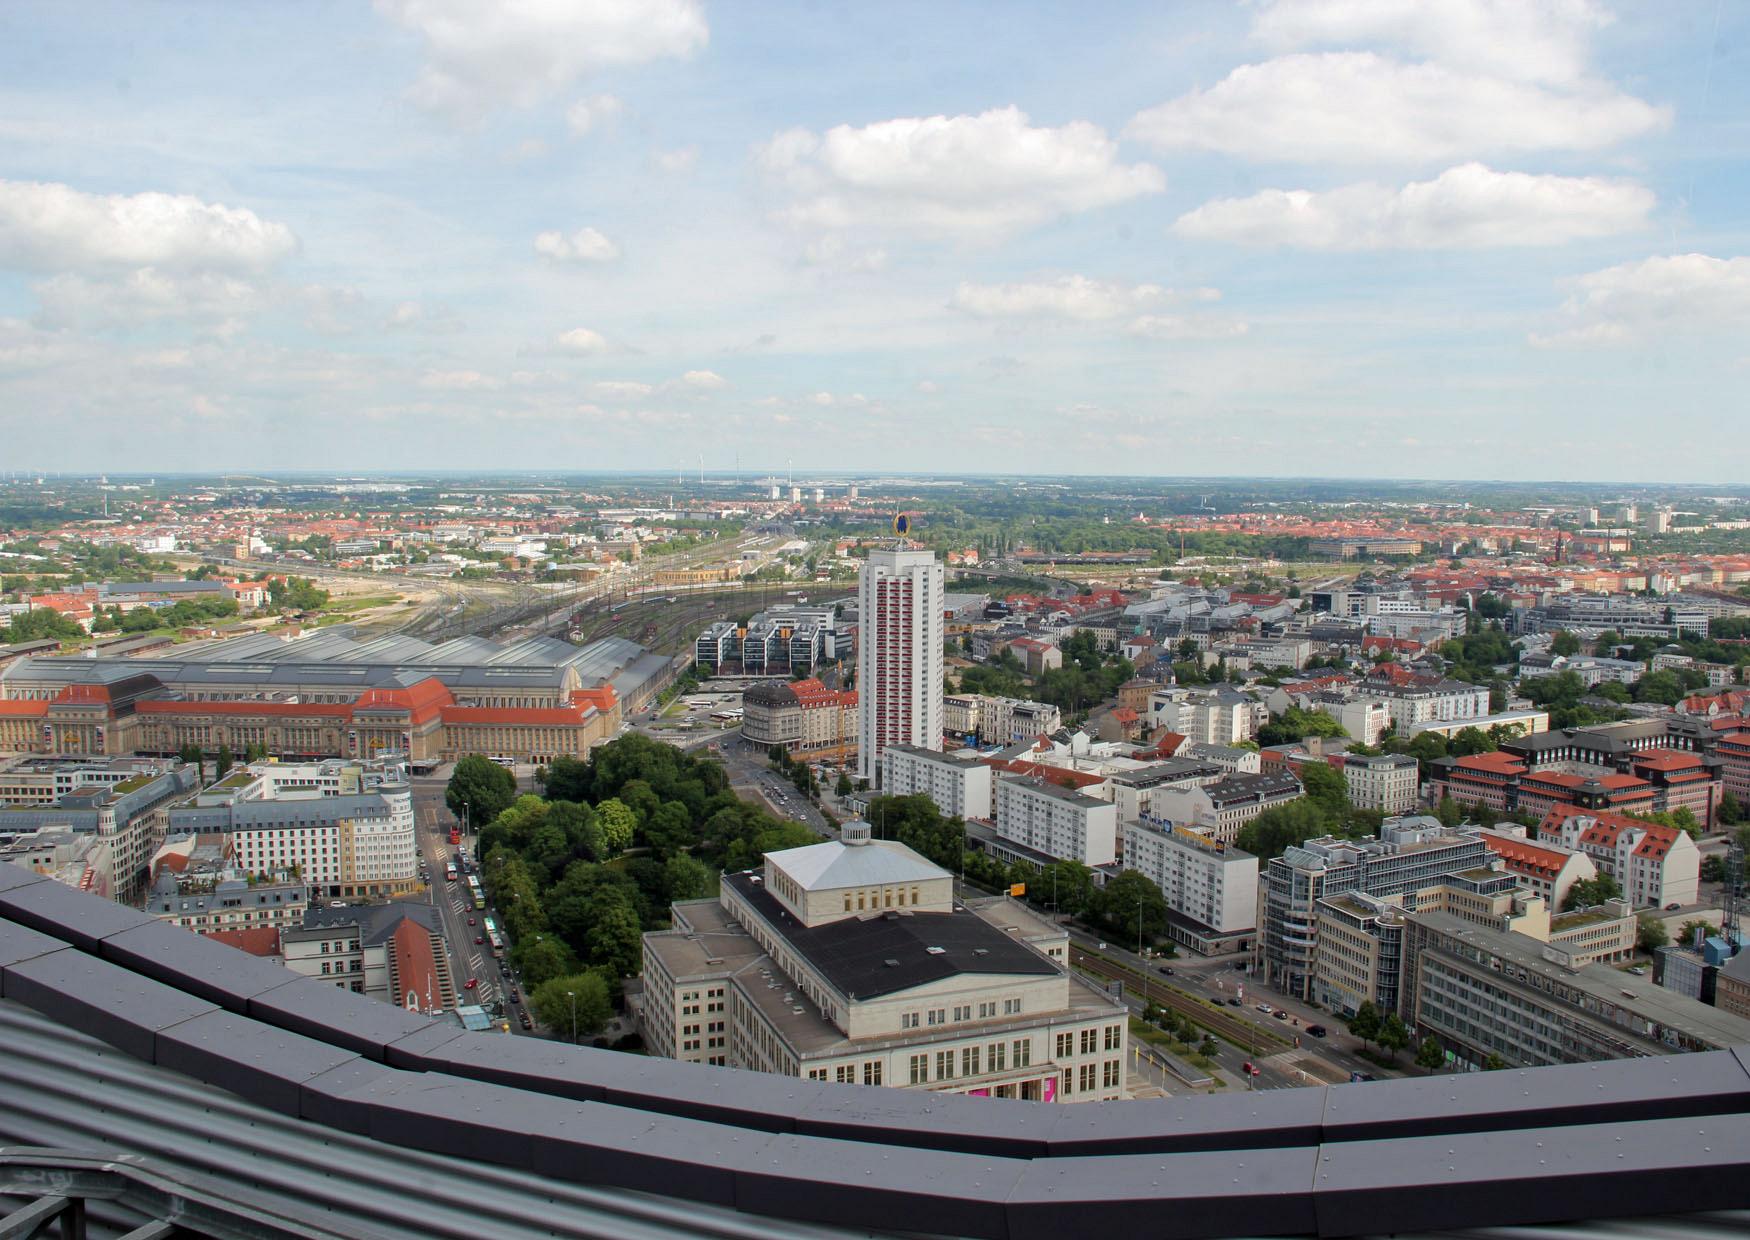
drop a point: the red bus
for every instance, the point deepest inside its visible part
(455, 836)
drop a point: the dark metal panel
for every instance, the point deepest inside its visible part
(994, 1126)
(339, 1098)
(521, 1063)
(12, 876)
(1275, 1119)
(252, 1060)
(72, 916)
(19, 943)
(93, 997)
(191, 962)
(1620, 1091)
(1534, 1175)
(413, 1051)
(849, 1183)
(1223, 1193)
(597, 1144)
(329, 1014)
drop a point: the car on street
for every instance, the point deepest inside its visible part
(470, 921)
(528, 1021)
(1167, 969)
(479, 940)
(1262, 1007)
(1279, 1014)
(1235, 1003)
(1672, 908)
(470, 983)
(513, 996)
(1316, 1031)
(1249, 1068)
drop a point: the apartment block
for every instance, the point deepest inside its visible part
(1054, 821)
(1211, 888)
(959, 785)
(1386, 782)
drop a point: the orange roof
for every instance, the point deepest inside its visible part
(1169, 743)
(514, 715)
(1495, 761)
(1667, 760)
(1526, 857)
(23, 710)
(256, 940)
(1051, 774)
(603, 697)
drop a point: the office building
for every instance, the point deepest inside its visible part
(1211, 888)
(850, 961)
(1411, 855)
(960, 785)
(131, 818)
(899, 655)
(1486, 992)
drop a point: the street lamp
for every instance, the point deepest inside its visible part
(572, 995)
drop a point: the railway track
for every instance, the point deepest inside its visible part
(1225, 1024)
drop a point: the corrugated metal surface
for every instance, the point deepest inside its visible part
(65, 1090)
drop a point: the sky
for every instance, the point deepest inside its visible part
(1467, 239)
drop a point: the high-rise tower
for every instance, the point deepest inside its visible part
(899, 654)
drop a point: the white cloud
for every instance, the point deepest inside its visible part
(623, 389)
(592, 113)
(951, 175)
(1067, 297)
(1534, 42)
(677, 161)
(704, 380)
(53, 227)
(457, 381)
(138, 297)
(416, 317)
(929, 387)
(823, 399)
(1466, 207)
(581, 340)
(1347, 107)
(1687, 293)
(586, 245)
(527, 149)
(1187, 327)
(832, 254)
(481, 56)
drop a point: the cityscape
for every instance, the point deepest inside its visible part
(459, 778)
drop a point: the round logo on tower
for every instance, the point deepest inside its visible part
(901, 524)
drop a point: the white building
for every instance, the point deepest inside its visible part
(1413, 706)
(1227, 804)
(899, 654)
(1208, 884)
(1216, 715)
(851, 962)
(1385, 782)
(1655, 865)
(959, 786)
(1056, 821)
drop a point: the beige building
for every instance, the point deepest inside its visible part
(1386, 782)
(803, 718)
(851, 962)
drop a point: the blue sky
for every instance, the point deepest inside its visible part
(1478, 238)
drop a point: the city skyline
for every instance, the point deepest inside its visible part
(417, 234)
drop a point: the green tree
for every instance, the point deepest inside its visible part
(1494, 1063)
(1295, 724)
(1564, 643)
(1118, 904)
(1651, 934)
(687, 878)
(576, 997)
(1730, 810)
(1393, 1035)
(618, 825)
(482, 787)
(1326, 788)
(843, 787)
(1469, 741)
(1448, 811)
(542, 958)
(223, 762)
(1687, 932)
(1365, 1024)
(1067, 885)
(1589, 892)
(1280, 827)
(1430, 1055)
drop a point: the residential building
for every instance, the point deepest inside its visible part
(899, 655)
(1036, 655)
(959, 784)
(1211, 888)
(1224, 805)
(1416, 704)
(961, 714)
(1545, 868)
(1655, 865)
(1386, 782)
(35, 779)
(804, 718)
(1055, 822)
(341, 845)
(210, 900)
(851, 961)
(1487, 992)
(392, 952)
(1216, 714)
(1732, 986)
(1007, 721)
(1134, 790)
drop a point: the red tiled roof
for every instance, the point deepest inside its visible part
(1526, 857)
(23, 710)
(1051, 774)
(1667, 760)
(415, 967)
(1495, 762)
